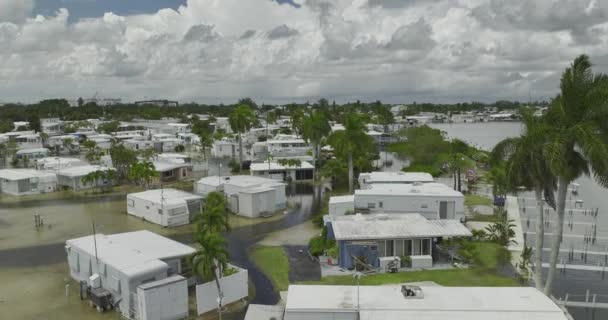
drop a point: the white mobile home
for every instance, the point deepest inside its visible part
(249, 196)
(367, 179)
(56, 163)
(135, 144)
(72, 177)
(20, 182)
(225, 148)
(170, 171)
(340, 205)
(31, 154)
(277, 171)
(122, 263)
(29, 141)
(167, 207)
(432, 200)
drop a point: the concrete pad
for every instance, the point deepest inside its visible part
(295, 236)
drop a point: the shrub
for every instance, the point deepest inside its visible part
(333, 252)
(316, 246)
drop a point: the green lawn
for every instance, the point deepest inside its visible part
(487, 258)
(453, 278)
(273, 262)
(484, 218)
(476, 200)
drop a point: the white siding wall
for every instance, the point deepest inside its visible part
(425, 205)
(234, 287)
(165, 302)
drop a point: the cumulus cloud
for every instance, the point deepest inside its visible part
(282, 31)
(15, 10)
(279, 51)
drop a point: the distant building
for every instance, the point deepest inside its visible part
(158, 103)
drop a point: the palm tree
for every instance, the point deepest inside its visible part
(93, 178)
(241, 120)
(297, 116)
(350, 141)
(525, 165)
(315, 127)
(579, 119)
(271, 117)
(142, 173)
(210, 260)
(214, 217)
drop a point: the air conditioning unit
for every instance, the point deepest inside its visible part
(389, 264)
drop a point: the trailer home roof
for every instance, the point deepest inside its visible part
(426, 189)
(167, 196)
(132, 252)
(436, 302)
(396, 177)
(394, 226)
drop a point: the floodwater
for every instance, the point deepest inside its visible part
(26, 251)
(574, 283)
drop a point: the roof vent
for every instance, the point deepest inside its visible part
(417, 183)
(415, 191)
(412, 292)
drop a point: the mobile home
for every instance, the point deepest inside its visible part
(125, 264)
(249, 196)
(367, 179)
(167, 207)
(20, 182)
(72, 177)
(277, 171)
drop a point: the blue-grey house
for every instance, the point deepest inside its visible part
(368, 238)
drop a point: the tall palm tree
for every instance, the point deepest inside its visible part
(578, 146)
(315, 127)
(350, 141)
(214, 217)
(210, 260)
(526, 165)
(271, 117)
(241, 120)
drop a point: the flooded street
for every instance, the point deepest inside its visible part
(26, 251)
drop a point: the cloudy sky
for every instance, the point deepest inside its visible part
(296, 50)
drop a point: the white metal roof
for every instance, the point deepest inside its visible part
(168, 196)
(438, 303)
(20, 174)
(264, 312)
(57, 160)
(394, 189)
(132, 252)
(242, 181)
(33, 150)
(167, 166)
(342, 199)
(404, 177)
(394, 226)
(276, 166)
(80, 171)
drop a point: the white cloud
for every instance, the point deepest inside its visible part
(219, 50)
(15, 10)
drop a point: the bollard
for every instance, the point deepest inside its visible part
(67, 290)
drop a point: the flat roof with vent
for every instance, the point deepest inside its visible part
(428, 189)
(396, 177)
(394, 226)
(437, 303)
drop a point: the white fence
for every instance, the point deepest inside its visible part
(234, 287)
